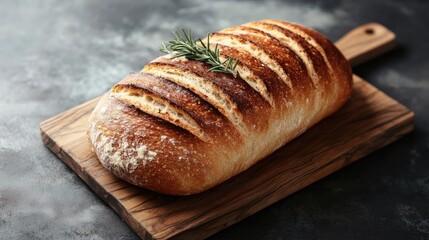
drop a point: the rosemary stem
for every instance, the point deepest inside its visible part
(196, 49)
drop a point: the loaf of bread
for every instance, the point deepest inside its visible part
(177, 128)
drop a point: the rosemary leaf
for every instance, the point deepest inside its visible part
(196, 49)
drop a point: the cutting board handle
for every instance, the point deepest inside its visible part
(366, 42)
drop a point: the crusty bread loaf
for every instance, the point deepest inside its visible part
(176, 128)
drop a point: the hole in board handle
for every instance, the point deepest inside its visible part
(369, 31)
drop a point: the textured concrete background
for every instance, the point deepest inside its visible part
(57, 54)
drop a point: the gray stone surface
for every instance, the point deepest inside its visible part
(57, 54)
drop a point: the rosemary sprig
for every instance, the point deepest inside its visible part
(196, 49)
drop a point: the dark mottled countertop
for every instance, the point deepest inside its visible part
(57, 54)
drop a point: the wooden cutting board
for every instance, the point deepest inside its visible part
(369, 121)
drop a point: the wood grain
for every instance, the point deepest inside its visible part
(369, 121)
(366, 42)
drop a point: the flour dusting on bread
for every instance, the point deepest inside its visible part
(121, 156)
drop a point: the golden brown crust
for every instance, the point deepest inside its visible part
(208, 117)
(178, 129)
